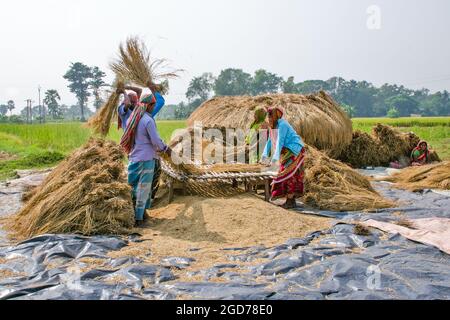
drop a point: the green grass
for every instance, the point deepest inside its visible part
(40, 146)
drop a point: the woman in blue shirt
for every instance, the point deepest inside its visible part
(285, 149)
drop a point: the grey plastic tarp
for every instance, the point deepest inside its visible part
(331, 264)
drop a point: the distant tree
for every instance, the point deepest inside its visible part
(200, 87)
(97, 84)
(11, 106)
(51, 100)
(289, 86)
(404, 104)
(79, 76)
(233, 82)
(393, 113)
(349, 110)
(311, 86)
(3, 110)
(265, 82)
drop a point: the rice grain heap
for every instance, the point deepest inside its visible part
(434, 176)
(317, 118)
(87, 193)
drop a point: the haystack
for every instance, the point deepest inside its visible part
(332, 185)
(434, 176)
(384, 145)
(87, 193)
(317, 118)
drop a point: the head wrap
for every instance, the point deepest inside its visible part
(133, 98)
(276, 108)
(148, 99)
(422, 142)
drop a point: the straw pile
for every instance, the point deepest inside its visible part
(434, 176)
(384, 145)
(87, 193)
(317, 118)
(332, 185)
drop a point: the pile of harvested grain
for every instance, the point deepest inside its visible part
(201, 228)
(332, 185)
(317, 118)
(386, 144)
(87, 193)
(434, 176)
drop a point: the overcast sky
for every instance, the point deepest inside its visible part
(308, 39)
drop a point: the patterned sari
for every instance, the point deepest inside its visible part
(290, 179)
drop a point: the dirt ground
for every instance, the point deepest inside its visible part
(201, 228)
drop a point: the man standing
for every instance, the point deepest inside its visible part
(142, 143)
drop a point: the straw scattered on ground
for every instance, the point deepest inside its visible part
(434, 176)
(319, 120)
(87, 193)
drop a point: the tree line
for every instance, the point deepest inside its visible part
(358, 98)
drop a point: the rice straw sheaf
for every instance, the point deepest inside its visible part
(319, 120)
(87, 193)
(434, 176)
(135, 64)
(101, 121)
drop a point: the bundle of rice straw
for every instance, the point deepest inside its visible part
(434, 176)
(332, 185)
(101, 121)
(134, 64)
(87, 193)
(317, 118)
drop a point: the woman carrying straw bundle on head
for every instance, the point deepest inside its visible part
(288, 153)
(143, 144)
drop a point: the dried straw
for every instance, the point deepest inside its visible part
(135, 64)
(317, 118)
(101, 121)
(384, 145)
(434, 176)
(87, 193)
(332, 185)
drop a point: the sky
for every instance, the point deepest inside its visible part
(382, 41)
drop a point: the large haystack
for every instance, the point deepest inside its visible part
(332, 185)
(87, 193)
(435, 176)
(317, 118)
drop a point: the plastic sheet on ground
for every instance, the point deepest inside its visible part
(330, 264)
